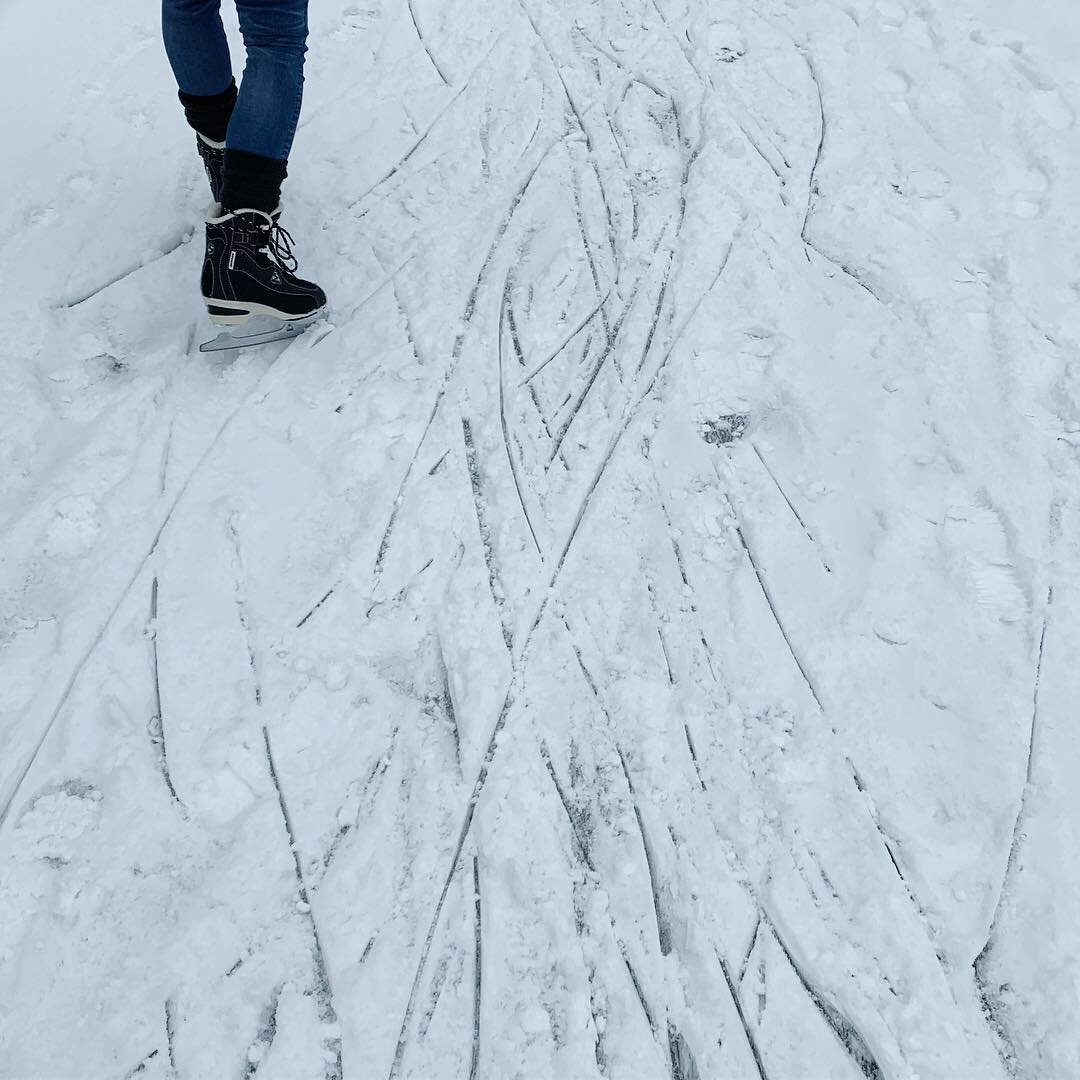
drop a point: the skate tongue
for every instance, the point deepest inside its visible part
(258, 330)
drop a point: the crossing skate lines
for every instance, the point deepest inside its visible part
(518, 647)
(401, 162)
(449, 374)
(888, 842)
(246, 399)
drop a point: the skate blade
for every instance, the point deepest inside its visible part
(258, 330)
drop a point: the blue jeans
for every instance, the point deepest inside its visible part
(275, 38)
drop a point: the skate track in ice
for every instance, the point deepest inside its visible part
(634, 638)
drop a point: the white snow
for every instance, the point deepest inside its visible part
(634, 636)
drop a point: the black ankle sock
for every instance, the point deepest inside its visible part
(252, 181)
(210, 115)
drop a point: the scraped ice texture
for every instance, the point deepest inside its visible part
(654, 581)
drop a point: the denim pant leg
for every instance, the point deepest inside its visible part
(196, 45)
(268, 108)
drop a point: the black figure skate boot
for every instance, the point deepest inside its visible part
(250, 270)
(213, 159)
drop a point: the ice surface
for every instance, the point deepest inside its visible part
(635, 637)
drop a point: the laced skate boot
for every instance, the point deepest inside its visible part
(213, 159)
(250, 270)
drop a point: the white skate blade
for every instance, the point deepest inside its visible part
(258, 330)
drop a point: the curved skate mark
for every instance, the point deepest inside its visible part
(478, 970)
(358, 793)
(733, 991)
(813, 191)
(173, 244)
(503, 308)
(681, 565)
(846, 269)
(994, 1007)
(438, 984)
(639, 992)
(323, 991)
(798, 517)
(745, 965)
(578, 836)
(498, 591)
(103, 629)
(423, 41)
(326, 596)
(141, 1067)
(767, 593)
(667, 660)
(423, 137)
(384, 543)
(845, 1031)
(443, 702)
(264, 1040)
(683, 1064)
(580, 121)
(812, 188)
(156, 727)
(166, 455)
(663, 917)
(170, 1031)
(240, 596)
(693, 756)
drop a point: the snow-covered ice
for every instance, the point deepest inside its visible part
(634, 637)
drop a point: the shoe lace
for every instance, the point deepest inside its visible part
(279, 246)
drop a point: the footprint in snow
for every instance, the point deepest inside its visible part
(891, 15)
(726, 42)
(1025, 190)
(57, 818)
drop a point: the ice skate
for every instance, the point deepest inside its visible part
(249, 281)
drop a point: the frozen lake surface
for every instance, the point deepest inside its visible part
(634, 637)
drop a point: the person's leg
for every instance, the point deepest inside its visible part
(264, 121)
(249, 269)
(199, 56)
